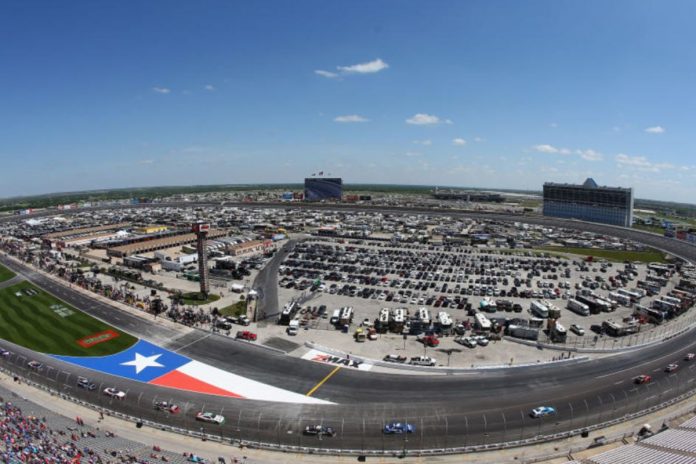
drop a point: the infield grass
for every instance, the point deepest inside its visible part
(43, 323)
(648, 256)
(5, 274)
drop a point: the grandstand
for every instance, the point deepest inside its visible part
(672, 446)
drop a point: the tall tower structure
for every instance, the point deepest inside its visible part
(201, 230)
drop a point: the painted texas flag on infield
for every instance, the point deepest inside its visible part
(151, 364)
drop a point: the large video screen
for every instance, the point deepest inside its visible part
(323, 188)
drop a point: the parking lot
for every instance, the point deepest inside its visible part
(441, 289)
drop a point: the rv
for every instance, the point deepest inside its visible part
(346, 316)
(423, 315)
(538, 309)
(482, 322)
(621, 298)
(398, 320)
(444, 320)
(523, 331)
(578, 308)
(558, 333)
(288, 313)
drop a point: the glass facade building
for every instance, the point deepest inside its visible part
(589, 202)
(323, 188)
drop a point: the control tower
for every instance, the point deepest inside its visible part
(201, 230)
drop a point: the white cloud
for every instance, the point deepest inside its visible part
(210, 88)
(327, 74)
(655, 130)
(550, 149)
(162, 90)
(553, 125)
(459, 142)
(426, 142)
(478, 139)
(641, 163)
(148, 161)
(423, 119)
(590, 155)
(364, 68)
(350, 118)
(412, 154)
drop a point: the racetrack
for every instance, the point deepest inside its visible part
(448, 411)
(461, 410)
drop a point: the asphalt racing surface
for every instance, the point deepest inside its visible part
(481, 407)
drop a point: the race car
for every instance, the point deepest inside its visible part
(210, 417)
(319, 430)
(36, 365)
(688, 357)
(83, 382)
(399, 427)
(5, 353)
(166, 406)
(542, 411)
(671, 367)
(643, 378)
(114, 393)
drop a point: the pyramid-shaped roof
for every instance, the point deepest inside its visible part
(590, 183)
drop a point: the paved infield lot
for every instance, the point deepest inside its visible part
(369, 276)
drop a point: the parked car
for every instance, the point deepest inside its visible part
(395, 358)
(114, 393)
(167, 406)
(422, 361)
(84, 382)
(210, 417)
(577, 329)
(399, 427)
(320, 431)
(542, 411)
(246, 335)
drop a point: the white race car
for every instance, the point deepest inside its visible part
(114, 393)
(210, 417)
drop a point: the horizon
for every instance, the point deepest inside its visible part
(487, 95)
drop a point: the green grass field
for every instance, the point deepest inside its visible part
(236, 309)
(5, 274)
(194, 299)
(649, 256)
(43, 323)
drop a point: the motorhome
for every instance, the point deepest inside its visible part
(578, 307)
(481, 322)
(538, 309)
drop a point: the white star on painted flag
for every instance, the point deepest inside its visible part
(141, 362)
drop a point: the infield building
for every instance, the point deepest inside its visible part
(589, 202)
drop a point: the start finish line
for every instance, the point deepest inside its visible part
(333, 360)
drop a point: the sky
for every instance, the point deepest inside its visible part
(492, 94)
